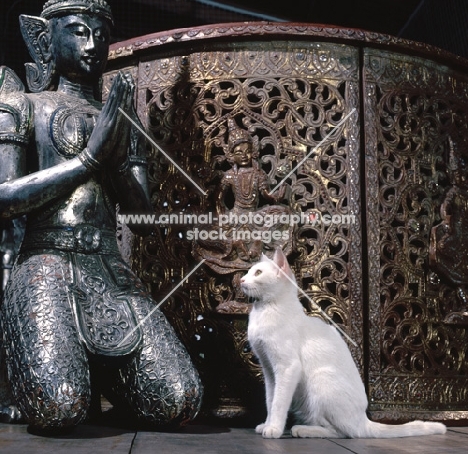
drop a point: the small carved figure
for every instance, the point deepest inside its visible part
(248, 229)
(448, 252)
(74, 316)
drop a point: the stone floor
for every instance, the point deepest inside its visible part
(214, 439)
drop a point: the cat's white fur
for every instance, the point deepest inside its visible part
(307, 366)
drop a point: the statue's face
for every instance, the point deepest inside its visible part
(80, 46)
(242, 154)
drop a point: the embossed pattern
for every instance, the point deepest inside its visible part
(52, 386)
(154, 380)
(291, 97)
(416, 361)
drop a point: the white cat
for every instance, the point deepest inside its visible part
(307, 366)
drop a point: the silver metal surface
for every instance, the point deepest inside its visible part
(74, 316)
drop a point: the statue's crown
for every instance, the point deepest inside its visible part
(54, 8)
(237, 135)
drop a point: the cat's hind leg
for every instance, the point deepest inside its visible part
(300, 431)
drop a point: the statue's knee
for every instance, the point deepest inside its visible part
(64, 407)
(175, 408)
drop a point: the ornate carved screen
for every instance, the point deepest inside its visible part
(414, 108)
(359, 137)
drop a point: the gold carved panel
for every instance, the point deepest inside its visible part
(393, 173)
(417, 362)
(291, 95)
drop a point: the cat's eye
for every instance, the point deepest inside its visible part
(258, 272)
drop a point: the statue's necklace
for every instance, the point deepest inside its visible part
(246, 185)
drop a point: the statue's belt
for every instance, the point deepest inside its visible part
(83, 238)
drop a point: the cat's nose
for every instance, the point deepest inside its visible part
(242, 280)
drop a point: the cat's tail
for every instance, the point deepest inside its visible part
(410, 429)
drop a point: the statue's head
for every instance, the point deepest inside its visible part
(71, 39)
(237, 135)
(241, 145)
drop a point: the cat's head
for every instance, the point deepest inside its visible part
(268, 276)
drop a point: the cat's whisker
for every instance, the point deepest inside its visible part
(251, 292)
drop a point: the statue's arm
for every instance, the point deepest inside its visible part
(446, 207)
(264, 189)
(19, 192)
(130, 181)
(132, 194)
(15, 125)
(221, 194)
(21, 195)
(27, 193)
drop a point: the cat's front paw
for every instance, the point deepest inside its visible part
(272, 432)
(259, 428)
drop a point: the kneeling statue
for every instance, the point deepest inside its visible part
(75, 318)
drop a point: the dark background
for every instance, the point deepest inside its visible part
(443, 23)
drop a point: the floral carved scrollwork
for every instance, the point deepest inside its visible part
(418, 106)
(297, 100)
(384, 175)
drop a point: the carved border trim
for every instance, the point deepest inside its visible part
(269, 31)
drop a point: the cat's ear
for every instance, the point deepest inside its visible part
(282, 263)
(264, 258)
